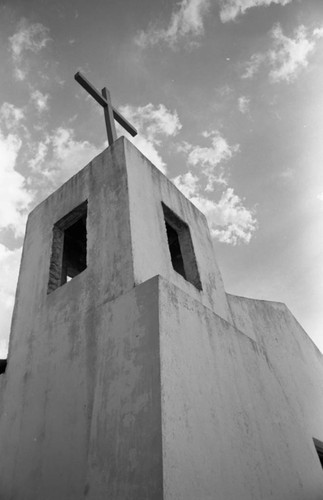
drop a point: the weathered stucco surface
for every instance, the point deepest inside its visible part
(82, 418)
(150, 249)
(130, 383)
(236, 423)
(292, 356)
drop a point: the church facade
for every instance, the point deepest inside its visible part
(132, 374)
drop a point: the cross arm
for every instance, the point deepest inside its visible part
(90, 89)
(104, 103)
(124, 123)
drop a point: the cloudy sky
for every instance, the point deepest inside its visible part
(228, 99)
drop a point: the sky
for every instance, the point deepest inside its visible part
(227, 96)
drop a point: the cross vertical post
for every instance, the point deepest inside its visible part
(108, 116)
(110, 113)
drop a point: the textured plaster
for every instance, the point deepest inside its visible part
(129, 383)
(83, 418)
(147, 191)
(236, 420)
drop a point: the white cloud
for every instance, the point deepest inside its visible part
(29, 38)
(243, 104)
(208, 159)
(9, 267)
(287, 174)
(39, 152)
(14, 195)
(224, 90)
(153, 124)
(236, 222)
(188, 184)
(287, 57)
(186, 21)
(229, 220)
(156, 121)
(11, 116)
(57, 157)
(231, 9)
(40, 100)
(320, 196)
(4, 346)
(318, 32)
(148, 149)
(69, 155)
(252, 66)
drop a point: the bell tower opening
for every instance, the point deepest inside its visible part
(319, 449)
(175, 249)
(69, 244)
(181, 247)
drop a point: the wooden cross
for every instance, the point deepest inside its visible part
(110, 113)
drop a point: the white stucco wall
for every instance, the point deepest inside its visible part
(82, 418)
(148, 188)
(61, 364)
(233, 426)
(291, 354)
(129, 383)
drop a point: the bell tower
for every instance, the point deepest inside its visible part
(131, 374)
(81, 409)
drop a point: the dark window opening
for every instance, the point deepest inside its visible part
(74, 250)
(175, 250)
(3, 366)
(319, 449)
(68, 257)
(181, 247)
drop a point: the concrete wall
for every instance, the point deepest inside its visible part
(82, 419)
(235, 422)
(110, 270)
(126, 240)
(148, 188)
(291, 355)
(55, 352)
(125, 446)
(127, 385)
